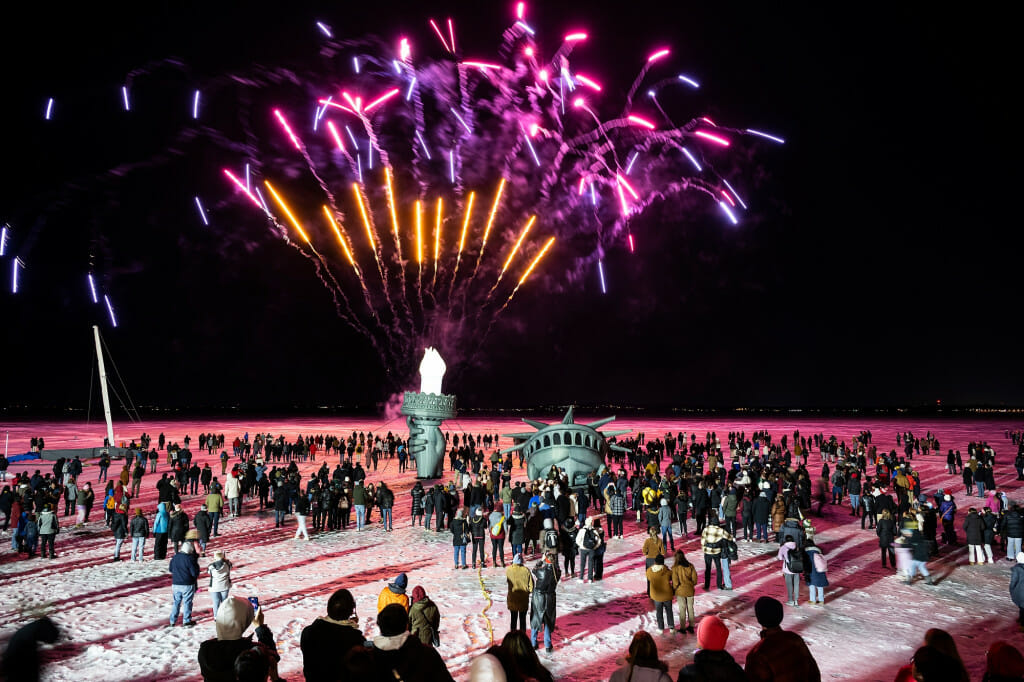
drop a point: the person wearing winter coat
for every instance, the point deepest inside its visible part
(394, 593)
(885, 529)
(1017, 589)
(424, 618)
(684, 581)
(177, 526)
(642, 662)
(974, 530)
(990, 521)
(184, 570)
(780, 655)
(761, 513)
(204, 525)
(233, 492)
(918, 557)
(301, 514)
(789, 555)
(712, 663)
(516, 525)
(386, 502)
(49, 526)
(588, 540)
(217, 657)
(119, 526)
(160, 525)
(1013, 530)
(139, 529)
(417, 504)
(478, 531)
(543, 602)
(496, 531)
(327, 640)
(220, 580)
(397, 654)
(712, 542)
(460, 538)
(520, 586)
(214, 506)
(818, 567)
(947, 512)
(659, 577)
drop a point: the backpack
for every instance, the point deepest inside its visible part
(551, 539)
(589, 539)
(795, 561)
(543, 579)
(820, 563)
(731, 550)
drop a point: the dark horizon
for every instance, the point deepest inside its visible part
(873, 268)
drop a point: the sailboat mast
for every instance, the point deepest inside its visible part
(103, 386)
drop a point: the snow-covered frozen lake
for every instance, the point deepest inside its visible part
(113, 615)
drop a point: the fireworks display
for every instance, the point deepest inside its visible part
(426, 187)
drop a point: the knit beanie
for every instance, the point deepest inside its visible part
(712, 633)
(768, 612)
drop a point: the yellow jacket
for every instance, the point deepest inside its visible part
(388, 597)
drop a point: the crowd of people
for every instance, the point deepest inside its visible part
(752, 489)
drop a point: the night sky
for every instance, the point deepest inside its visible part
(878, 264)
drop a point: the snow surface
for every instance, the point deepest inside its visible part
(113, 615)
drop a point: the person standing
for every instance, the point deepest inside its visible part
(653, 547)
(119, 526)
(177, 526)
(478, 530)
(1013, 529)
(761, 510)
(386, 502)
(160, 527)
(233, 491)
(1017, 589)
(203, 524)
(214, 505)
(660, 579)
(520, 585)
(220, 580)
(424, 618)
(542, 616)
(684, 580)
(974, 532)
(885, 529)
(818, 573)
(359, 500)
(588, 540)
(460, 538)
(139, 531)
(665, 521)
(301, 512)
(792, 569)
(780, 655)
(184, 570)
(49, 526)
(918, 557)
(712, 541)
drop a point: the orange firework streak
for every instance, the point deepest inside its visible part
(419, 233)
(437, 238)
(533, 264)
(393, 210)
(287, 212)
(515, 249)
(490, 222)
(462, 239)
(341, 239)
(369, 229)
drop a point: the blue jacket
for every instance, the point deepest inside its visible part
(818, 579)
(184, 569)
(162, 518)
